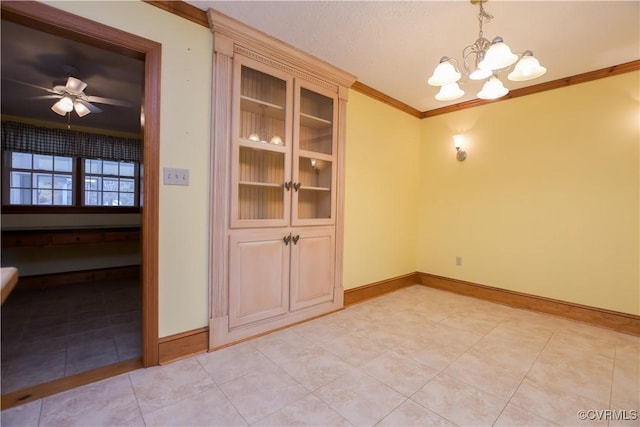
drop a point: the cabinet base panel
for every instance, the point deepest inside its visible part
(221, 336)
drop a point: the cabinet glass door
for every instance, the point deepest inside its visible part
(314, 168)
(261, 158)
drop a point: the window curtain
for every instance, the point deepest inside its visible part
(70, 143)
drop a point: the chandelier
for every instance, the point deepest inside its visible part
(484, 60)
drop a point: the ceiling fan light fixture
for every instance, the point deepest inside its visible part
(63, 106)
(528, 68)
(75, 85)
(81, 109)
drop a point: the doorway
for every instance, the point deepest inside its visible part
(63, 24)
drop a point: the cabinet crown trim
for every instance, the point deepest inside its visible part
(251, 39)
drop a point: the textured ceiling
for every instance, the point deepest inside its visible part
(393, 46)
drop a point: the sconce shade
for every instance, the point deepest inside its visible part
(493, 89)
(498, 56)
(449, 92)
(458, 140)
(444, 74)
(527, 68)
(63, 106)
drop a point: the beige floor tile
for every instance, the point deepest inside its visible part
(431, 353)
(399, 372)
(624, 417)
(27, 415)
(160, 386)
(105, 403)
(511, 351)
(588, 377)
(459, 402)
(207, 408)
(410, 414)
(487, 374)
(462, 357)
(514, 416)
(478, 322)
(625, 391)
(559, 406)
(360, 399)
(263, 391)
(232, 362)
(354, 348)
(307, 411)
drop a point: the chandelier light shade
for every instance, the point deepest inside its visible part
(493, 89)
(484, 60)
(527, 68)
(445, 73)
(449, 92)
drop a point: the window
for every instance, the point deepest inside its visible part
(38, 179)
(41, 180)
(109, 183)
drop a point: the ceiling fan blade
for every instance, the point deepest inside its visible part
(52, 96)
(110, 101)
(89, 106)
(75, 85)
(46, 89)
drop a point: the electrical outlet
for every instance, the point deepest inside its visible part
(174, 176)
(458, 260)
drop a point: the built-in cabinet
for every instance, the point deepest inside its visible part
(278, 170)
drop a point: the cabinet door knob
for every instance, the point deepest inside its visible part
(295, 239)
(287, 185)
(297, 185)
(287, 239)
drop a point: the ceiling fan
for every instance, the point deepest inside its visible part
(71, 96)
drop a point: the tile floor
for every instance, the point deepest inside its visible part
(52, 333)
(415, 357)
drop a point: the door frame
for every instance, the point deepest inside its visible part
(60, 23)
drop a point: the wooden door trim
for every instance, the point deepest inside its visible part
(73, 27)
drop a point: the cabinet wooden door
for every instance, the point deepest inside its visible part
(312, 266)
(261, 148)
(258, 275)
(314, 155)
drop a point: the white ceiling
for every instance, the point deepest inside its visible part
(393, 46)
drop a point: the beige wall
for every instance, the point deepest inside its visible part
(547, 202)
(184, 143)
(382, 161)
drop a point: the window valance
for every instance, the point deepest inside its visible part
(62, 142)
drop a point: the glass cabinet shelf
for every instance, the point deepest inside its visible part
(310, 121)
(257, 106)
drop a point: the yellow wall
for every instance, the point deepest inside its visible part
(382, 160)
(184, 143)
(547, 202)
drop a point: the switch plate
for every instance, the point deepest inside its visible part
(175, 176)
(458, 260)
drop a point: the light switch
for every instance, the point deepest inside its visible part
(175, 176)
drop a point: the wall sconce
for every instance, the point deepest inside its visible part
(458, 141)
